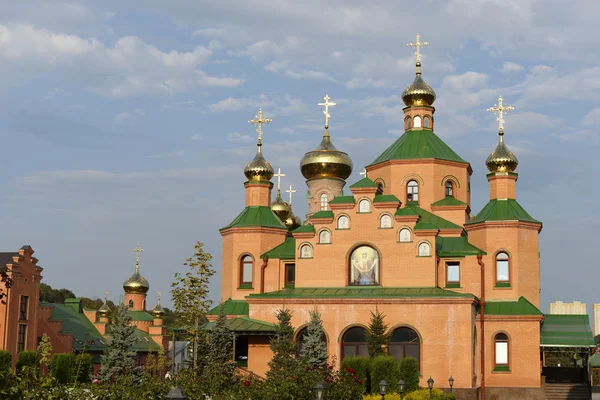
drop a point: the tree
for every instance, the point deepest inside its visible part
(119, 359)
(220, 368)
(44, 349)
(377, 336)
(409, 372)
(314, 345)
(190, 294)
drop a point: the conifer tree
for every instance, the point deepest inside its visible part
(118, 359)
(220, 368)
(314, 346)
(376, 335)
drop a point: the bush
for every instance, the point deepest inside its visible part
(362, 366)
(385, 367)
(82, 368)
(409, 372)
(423, 394)
(61, 367)
(5, 360)
(28, 359)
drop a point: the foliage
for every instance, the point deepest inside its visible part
(5, 360)
(58, 296)
(60, 368)
(190, 294)
(44, 349)
(94, 304)
(82, 368)
(8, 282)
(362, 366)
(162, 363)
(409, 373)
(423, 394)
(384, 368)
(376, 335)
(220, 369)
(314, 347)
(28, 359)
(118, 359)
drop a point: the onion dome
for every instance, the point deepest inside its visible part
(259, 169)
(136, 283)
(326, 161)
(418, 93)
(501, 159)
(281, 208)
(104, 310)
(293, 222)
(158, 311)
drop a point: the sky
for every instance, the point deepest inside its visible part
(126, 122)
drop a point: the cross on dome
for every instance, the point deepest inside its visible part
(327, 104)
(137, 252)
(279, 175)
(158, 297)
(500, 109)
(290, 191)
(364, 172)
(418, 44)
(259, 121)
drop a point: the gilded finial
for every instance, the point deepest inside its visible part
(500, 109)
(418, 93)
(137, 252)
(501, 159)
(290, 191)
(417, 45)
(279, 175)
(136, 283)
(327, 104)
(259, 121)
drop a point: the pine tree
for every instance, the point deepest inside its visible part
(119, 359)
(220, 369)
(377, 336)
(314, 346)
(190, 295)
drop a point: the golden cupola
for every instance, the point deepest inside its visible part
(280, 207)
(158, 311)
(501, 159)
(136, 283)
(259, 169)
(104, 310)
(418, 93)
(292, 222)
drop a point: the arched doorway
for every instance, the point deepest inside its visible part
(354, 342)
(405, 342)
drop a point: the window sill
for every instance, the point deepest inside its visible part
(453, 286)
(407, 241)
(323, 243)
(500, 368)
(423, 256)
(358, 284)
(503, 285)
(246, 286)
(364, 212)
(306, 258)
(342, 229)
(388, 227)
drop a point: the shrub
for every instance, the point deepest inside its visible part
(385, 367)
(82, 368)
(409, 372)
(61, 367)
(28, 359)
(423, 394)
(362, 366)
(5, 360)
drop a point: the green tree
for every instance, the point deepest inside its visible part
(377, 336)
(409, 372)
(314, 346)
(119, 359)
(190, 294)
(44, 349)
(220, 369)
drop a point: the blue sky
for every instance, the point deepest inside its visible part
(125, 122)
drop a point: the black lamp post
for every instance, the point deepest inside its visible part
(451, 382)
(176, 394)
(430, 383)
(319, 391)
(383, 388)
(401, 386)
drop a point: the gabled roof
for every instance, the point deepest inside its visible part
(144, 342)
(514, 307)
(455, 247)
(232, 307)
(566, 331)
(342, 200)
(427, 220)
(363, 183)
(448, 201)
(305, 229)
(418, 144)
(244, 324)
(285, 250)
(322, 214)
(357, 292)
(256, 216)
(76, 323)
(142, 315)
(503, 210)
(385, 198)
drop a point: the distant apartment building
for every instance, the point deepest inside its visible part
(596, 308)
(575, 308)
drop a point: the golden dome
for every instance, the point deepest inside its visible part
(158, 311)
(418, 93)
(136, 283)
(259, 169)
(281, 208)
(293, 222)
(326, 161)
(502, 159)
(104, 310)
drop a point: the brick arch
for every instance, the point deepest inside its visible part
(305, 325)
(354, 247)
(344, 330)
(412, 176)
(451, 178)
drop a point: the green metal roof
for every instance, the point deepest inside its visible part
(286, 249)
(363, 183)
(232, 307)
(141, 315)
(427, 220)
(322, 214)
(449, 201)
(252, 216)
(518, 307)
(455, 247)
(566, 331)
(144, 342)
(503, 210)
(417, 144)
(595, 360)
(244, 324)
(385, 198)
(76, 323)
(407, 212)
(305, 229)
(342, 200)
(361, 292)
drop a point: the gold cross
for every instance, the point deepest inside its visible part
(158, 295)
(278, 175)
(327, 104)
(105, 296)
(364, 172)
(500, 109)
(137, 252)
(259, 121)
(418, 44)
(290, 191)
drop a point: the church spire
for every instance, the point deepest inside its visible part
(418, 93)
(501, 159)
(259, 169)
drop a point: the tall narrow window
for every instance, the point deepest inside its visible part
(427, 122)
(502, 269)
(247, 264)
(412, 191)
(290, 275)
(23, 308)
(21, 338)
(449, 188)
(424, 250)
(324, 203)
(130, 303)
(417, 121)
(379, 188)
(408, 123)
(453, 274)
(405, 342)
(501, 350)
(343, 222)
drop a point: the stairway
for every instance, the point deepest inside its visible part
(567, 391)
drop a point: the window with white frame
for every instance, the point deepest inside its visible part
(453, 273)
(324, 237)
(502, 268)
(412, 191)
(405, 235)
(343, 222)
(424, 250)
(385, 221)
(324, 202)
(306, 251)
(501, 350)
(364, 206)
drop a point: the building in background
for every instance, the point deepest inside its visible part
(575, 308)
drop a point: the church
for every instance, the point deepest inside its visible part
(460, 291)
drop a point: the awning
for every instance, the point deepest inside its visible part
(245, 325)
(567, 331)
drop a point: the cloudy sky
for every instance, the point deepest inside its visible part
(125, 122)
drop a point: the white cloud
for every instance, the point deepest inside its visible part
(272, 105)
(197, 137)
(175, 154)
(592, 117)
(511, 67)
(237, 137)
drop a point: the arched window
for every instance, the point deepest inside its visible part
(427, 122)
(412, 191)
(405, 342)
(306, 251)
(364, 266)
(408, 123)
(379, 188)
(502, 269)
(424, 250)
(301, 336)
(501, 350)
(324, 237)
(405, 235)
(364, 206)
(354, 343)
(343, 222)
(385, 221)
(246, 265)
(449, 188)
(324, 203)
(417, 121)
(144, 304)
(130, 303)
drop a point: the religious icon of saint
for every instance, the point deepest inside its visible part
(364, 206)
(306, 252)
(386, 221)
(343, 222)
(364, 266)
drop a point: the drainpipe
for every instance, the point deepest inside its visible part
(262, 274)
(482, 310)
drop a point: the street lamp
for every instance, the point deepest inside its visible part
(401, 386)
(430, 383)
(451, 382)
(176, 394)
(383, 388)
(319, 391)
